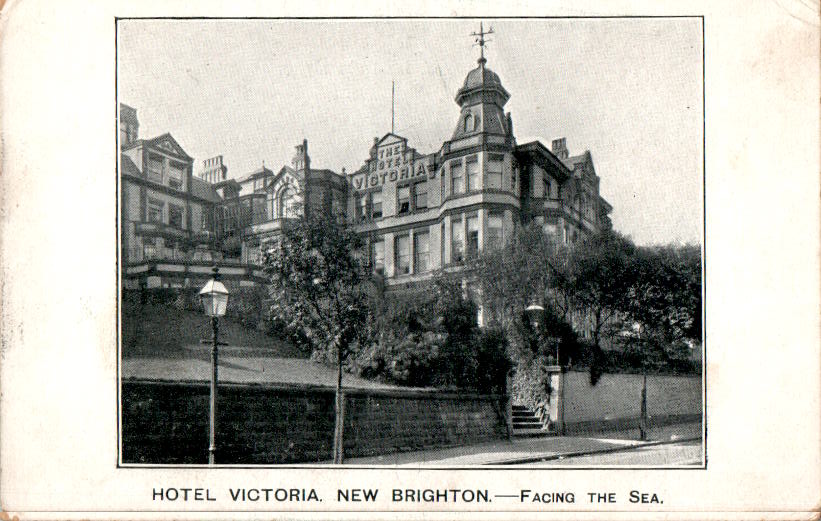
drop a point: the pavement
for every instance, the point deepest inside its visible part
(548, 450)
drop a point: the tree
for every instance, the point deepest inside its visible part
(665, 301)
(318, 287)
(516, 275)
(599, 276)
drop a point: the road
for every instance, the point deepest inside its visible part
(668, 454)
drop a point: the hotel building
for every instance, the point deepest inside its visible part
(418, 212)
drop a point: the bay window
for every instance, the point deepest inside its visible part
(457, 178)
(473, 174)
(493, 177)
(457, 240)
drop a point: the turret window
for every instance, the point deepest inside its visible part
(457, 178)
(468, 122)
(494, 171)
(473, 174)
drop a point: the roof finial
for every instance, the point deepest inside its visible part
(480, 39)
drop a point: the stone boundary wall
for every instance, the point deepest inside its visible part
(167, 422)
(614, 403)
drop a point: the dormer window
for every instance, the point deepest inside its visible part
(468, 122)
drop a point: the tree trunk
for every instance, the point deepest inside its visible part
(339, 410)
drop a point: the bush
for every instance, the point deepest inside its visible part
(430, 338)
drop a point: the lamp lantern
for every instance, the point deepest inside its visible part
(535, 312)
(214, 297)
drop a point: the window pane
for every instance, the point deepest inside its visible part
(175, 173)
(155, 169)
(403, 195)
(457, 178)
(175, 215)
(155, 212)
(473, 236)
(473, 175)
(494, 172)
(361, 206)
(494, 232)
(376, 204)
(422, 251)
(457, 241)
(378, 256)
(420, 196)
(402, 255)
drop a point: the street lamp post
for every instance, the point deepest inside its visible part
(214, 297)
(643, 409)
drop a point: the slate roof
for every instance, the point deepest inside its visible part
(204, 190)
(127, 167)
(572, 161)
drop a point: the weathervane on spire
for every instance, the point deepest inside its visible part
(480, 39)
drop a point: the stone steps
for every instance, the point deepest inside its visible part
(526, 423)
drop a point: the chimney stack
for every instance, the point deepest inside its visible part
(213, 170)
(559, 148)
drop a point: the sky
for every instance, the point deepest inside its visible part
(629, 90)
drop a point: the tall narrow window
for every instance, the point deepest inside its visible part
(468, 122)
(473, 175)
(442, 246)
(155, 211)
(457, 240)
(473, 236)
(403, 199)
(442, 188)
(420, 196)
(175, 215)
(457, 178)
(376, 204)
(175, 175)
(402, 246)
(361, 206)
(421, 251)
(546, 182)
(155, 168)
(493, 178)
(494, 232)
(378, 256)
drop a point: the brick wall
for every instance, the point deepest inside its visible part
(164, 422)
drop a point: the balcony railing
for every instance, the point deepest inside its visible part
(161, 230)
(136, 254)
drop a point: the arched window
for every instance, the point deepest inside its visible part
(469, 122)
(287, 203)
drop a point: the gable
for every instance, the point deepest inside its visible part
(285, 176)
(168, 144)
(391, 139)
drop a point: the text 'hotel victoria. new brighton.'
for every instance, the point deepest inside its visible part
(418, 212)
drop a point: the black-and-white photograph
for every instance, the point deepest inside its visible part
(423, 242)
